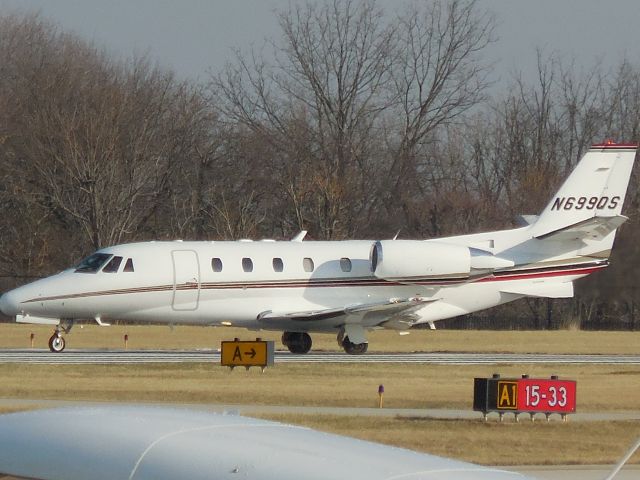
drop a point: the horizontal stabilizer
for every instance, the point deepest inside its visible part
(388, 309)
(595, 228)
(545, 290)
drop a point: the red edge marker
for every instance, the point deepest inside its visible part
(610, 144)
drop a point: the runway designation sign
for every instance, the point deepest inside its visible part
(524, 395)
(242, 353)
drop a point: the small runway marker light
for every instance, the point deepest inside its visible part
(126, 341)
(32, 336)
(380, 395)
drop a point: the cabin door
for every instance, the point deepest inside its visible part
(186, 280)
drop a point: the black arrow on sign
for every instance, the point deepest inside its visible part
(252, 352)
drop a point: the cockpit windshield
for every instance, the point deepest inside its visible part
(93, 263)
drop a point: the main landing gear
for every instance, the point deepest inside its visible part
(297, 342)
(354, 348)
(350, 347)
(56, 341)
(300, 342)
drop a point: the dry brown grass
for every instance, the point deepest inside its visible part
(600, 387)
(190, 338)
(490, 443)
(15, 408)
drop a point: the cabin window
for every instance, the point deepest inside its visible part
(93, 263)
(247, 264)
(128, 267)
(307, 264)
(216, 264)
(345, 264)
(278, 266)
(113, 265)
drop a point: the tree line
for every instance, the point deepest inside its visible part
(352, 123)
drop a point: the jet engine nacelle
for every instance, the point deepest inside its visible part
(410, 260)
(414, 260)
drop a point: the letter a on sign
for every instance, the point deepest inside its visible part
(236, 354)
(508, 395)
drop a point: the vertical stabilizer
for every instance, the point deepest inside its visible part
(592, 195)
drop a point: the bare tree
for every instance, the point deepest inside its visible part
(438, 74)
(325, 86)
(96, 140)
(343, 77)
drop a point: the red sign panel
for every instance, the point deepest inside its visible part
(541, 395)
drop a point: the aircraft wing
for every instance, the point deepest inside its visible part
(160, 443)
(385, 311)
(595, 228)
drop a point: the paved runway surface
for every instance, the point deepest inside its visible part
(577, 472)
(170, 356)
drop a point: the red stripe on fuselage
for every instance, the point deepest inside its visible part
(557, 273)
(373, 282)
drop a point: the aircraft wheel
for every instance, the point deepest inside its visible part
(56, 343)
(354, 348)
(297, 342)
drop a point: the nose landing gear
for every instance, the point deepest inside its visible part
(56, 341)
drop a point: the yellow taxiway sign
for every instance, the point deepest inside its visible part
(243, 353)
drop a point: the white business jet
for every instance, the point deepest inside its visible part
(346, 287)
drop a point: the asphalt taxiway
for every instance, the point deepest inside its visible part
(72, 356)
(576, 472)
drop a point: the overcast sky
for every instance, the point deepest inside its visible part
(193, 36)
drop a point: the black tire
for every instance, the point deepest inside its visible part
(286, 338)
(354, 348)
(56, 343)
(297, 342)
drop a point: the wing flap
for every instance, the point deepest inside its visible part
(385, 309)
(37, 320)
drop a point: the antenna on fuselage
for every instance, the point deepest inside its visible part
(300, 236)
(395, 237)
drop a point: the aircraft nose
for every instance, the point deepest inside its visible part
(9, 304)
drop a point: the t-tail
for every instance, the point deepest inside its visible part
(574, 234)
(588, 205)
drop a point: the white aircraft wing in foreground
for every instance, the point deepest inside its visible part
(345, 287)
(152, 443)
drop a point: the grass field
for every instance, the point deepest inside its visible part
(490, 443)
(344, 385)
(190, 338)
(605, 388)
